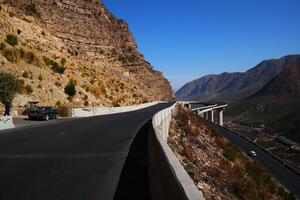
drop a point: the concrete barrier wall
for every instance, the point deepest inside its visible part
(6, 122)
(168, 178)
(89, 112)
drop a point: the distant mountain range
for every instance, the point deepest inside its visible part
(229, 87)
(276, 104)
(266, 94)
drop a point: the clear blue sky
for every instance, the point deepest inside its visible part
(186, 39)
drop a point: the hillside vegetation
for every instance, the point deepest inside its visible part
(217, 167)
(47, 44)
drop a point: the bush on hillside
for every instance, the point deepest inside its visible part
(25, 74)
(10, 55)
(63, 110)
(70, 88)
(29, 57)
(31, 9)
(9, 86)
(54, 65)
(11, 39)
(21, 53)
(2, 46)
(28, 89)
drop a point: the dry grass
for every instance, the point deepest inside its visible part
(217, 167)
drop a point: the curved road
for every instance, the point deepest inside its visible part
(286, 177)
(82, 159)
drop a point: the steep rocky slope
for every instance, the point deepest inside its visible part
(276, 104)
(233, 86)
(60, 40)
(216, 166)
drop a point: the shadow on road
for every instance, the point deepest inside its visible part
(134, 180)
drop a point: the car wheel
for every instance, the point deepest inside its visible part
(47, 117)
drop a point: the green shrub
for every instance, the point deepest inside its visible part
(21, 53)
(85, 97)
(58, 69)
(70, 88)
(2, 46)
(25, 74)
(214, 133)
(21, 86)
(57, 104)
(40, 77)
(29, 57)
(230, 151)
(31, 9)
(10, 55)
(57, 84)
(54, 65)
(115, 104)
(46, 60)
(11, 39)
(62, 109)
(9, 86)
(28, 89)
(286, 195)
(11, 14)
(63, 61)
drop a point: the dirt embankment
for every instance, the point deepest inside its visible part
(217, 167)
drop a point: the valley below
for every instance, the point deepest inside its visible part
(269, 139)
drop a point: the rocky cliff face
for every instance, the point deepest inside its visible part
(96, 49)
(234, 86)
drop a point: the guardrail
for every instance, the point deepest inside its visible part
(6, 122)
(168, 178)
(89, 112)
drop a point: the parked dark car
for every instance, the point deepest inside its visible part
(43, 113)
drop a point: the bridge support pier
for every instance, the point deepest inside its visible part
(212, 116)
(221, 117)
(206, 116)
(208, 111)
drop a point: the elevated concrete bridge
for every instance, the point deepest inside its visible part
(207, 110)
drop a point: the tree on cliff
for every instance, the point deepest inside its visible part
(70, 88)
(9, 86)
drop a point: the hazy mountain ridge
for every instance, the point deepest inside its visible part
(276, 104)
(229, 87)
(98, 51)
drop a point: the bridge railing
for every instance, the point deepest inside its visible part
(168, 178)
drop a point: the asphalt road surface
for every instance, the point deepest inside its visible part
(24, 121)
(77, 159)
(285, 176)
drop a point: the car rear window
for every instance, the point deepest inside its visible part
(39, 109)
